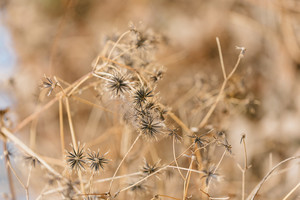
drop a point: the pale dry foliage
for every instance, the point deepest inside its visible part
(162, 109)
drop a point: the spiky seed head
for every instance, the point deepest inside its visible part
(142, 94)
(150, 169)
(210, 174)
(96, 161)
(149, 126)
(119, 85)
(76, 158)
(33, 161)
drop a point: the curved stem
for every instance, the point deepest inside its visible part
(257, 188)
(174, 155)
(213, 107)
(112, 180)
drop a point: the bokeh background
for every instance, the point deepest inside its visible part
(60, 37)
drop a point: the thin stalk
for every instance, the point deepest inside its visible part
(213, 107)
(186, 169)
(243, 170)
(73, 136)
(127, 50)
(61, 128)
(92, 104)
(217, 166)
(166, 196)
(214, 198)
(90, 185)
(179, 122)
(174, 155)
(9, 177)
(74, 141)
(32, 140)
(28, 180)
(257, 188)
(89, 75)
(221, 58)
(34, 115)
(117, 42)
(187, 179)
(162, 168)
(159, 170)
(118, 177)
(19, 180)
(112, 180)
(27, 150)
(293, 190)
(98, 76)
(219, 163)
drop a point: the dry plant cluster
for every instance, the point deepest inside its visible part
(126, 75)
(115, 134)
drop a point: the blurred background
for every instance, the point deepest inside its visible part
(63, 37)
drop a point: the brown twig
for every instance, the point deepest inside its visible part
(50, 103)
(212, 108)
(257, 188)
(110, 185)
(188, 178)
(166, 196)
(245, 166)
(19, 180)
(74, 141)
(61, 128)
(27, 150)
(174, 155)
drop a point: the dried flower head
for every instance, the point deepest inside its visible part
(97, 161)
(31, 160)
(150, 169)
(52, 179)
(76, 159)
(139, 188)
(141, 95)
(141, 41)
(227, 146)
(243, 138)
(118, 84)
(210, 174)
(69, 190)
(198, 140)
(222, 139)
(150, 105)
(174, 133)
(149, 126)
(49, 84)
(158, 75)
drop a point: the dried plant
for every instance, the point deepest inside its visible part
(128, 104)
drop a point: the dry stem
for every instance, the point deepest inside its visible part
(61, 128)
(9, 177)
(174, 155)
(27, 150)
(112, 180)
(212, 108)
(74, 141)
(188, 178)
(257, 188)
(293, 190)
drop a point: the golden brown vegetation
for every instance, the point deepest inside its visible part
(200, 101)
